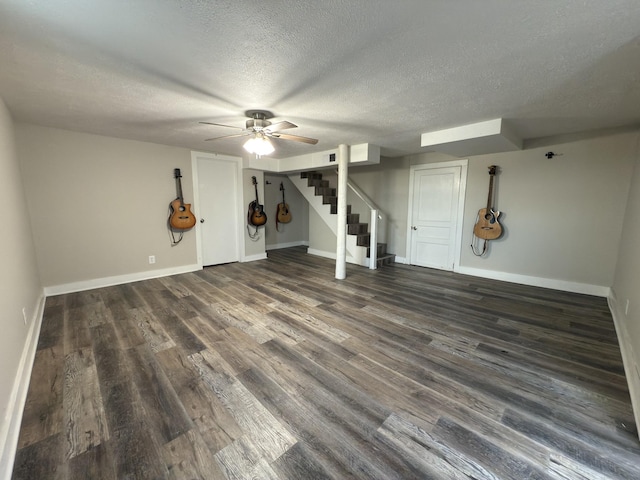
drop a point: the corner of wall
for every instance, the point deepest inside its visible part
(10, 428)
(631, 370)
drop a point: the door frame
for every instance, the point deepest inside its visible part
(238, 200)
(463, 164)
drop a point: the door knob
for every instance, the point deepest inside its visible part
(414, 228)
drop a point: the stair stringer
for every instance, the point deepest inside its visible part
(356, 254)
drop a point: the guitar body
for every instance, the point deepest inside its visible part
(256, 215)
(487, 227)
(284, 214)
(181, 216)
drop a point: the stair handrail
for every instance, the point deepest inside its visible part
(376, 216)
(363, 196)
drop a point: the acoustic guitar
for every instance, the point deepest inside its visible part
(256, 215)
(487, 227)
(284, 214)
(181, 217)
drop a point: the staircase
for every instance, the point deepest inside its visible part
(355, 227)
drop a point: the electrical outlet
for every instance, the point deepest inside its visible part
(152, 259)
(24, 314)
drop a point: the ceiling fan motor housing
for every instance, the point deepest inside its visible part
(258, 119)
(257, 124)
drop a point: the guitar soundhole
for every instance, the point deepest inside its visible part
(182, 209)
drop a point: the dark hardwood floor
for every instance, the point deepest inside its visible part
(274, 369)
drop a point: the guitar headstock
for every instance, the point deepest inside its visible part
(254, 180)
(176, 173)
(492, 170)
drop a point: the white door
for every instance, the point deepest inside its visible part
(437, 197)
(218, 209)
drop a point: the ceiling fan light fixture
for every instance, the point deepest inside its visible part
(259, 145)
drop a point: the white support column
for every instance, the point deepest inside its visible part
(373, 240)
(341, 232)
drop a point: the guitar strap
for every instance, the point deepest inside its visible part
(253, 236)
(484, 248)
(174, 241)
(473, 247)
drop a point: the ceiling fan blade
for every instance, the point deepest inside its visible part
(280, 126)
(227, 136)
(221, 125)
(295, 138)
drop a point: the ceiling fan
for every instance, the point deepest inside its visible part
(260, 129)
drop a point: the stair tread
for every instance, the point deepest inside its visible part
(329, 196)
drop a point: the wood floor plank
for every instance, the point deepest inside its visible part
(133, 446)
(155, 336)
(616, 463)
(96, 463)
(165, 413)
(274, 369)
(492, 457)
(188, 457)
(263, 430)
(431, 457)
(211, 419)
(298, 462)
(43, 412)
(84, 417)
(242, 460)
(43, 459)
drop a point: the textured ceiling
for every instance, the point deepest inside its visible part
(344, 71)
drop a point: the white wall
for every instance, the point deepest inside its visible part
(99, 205)
(21, 288)
(626, 287)
(562, 216)
(296, 232)
(322, 240)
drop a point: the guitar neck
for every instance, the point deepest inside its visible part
(492, 172)
(176, 173)
(490, 196)
(179, 189)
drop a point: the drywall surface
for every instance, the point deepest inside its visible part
(99, 205)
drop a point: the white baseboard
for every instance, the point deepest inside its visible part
(330, 255)
(117, 280)
(631, 370)
(276, 246)
(10, 428)
(587, 289)
(253, 258)
(322, 253)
